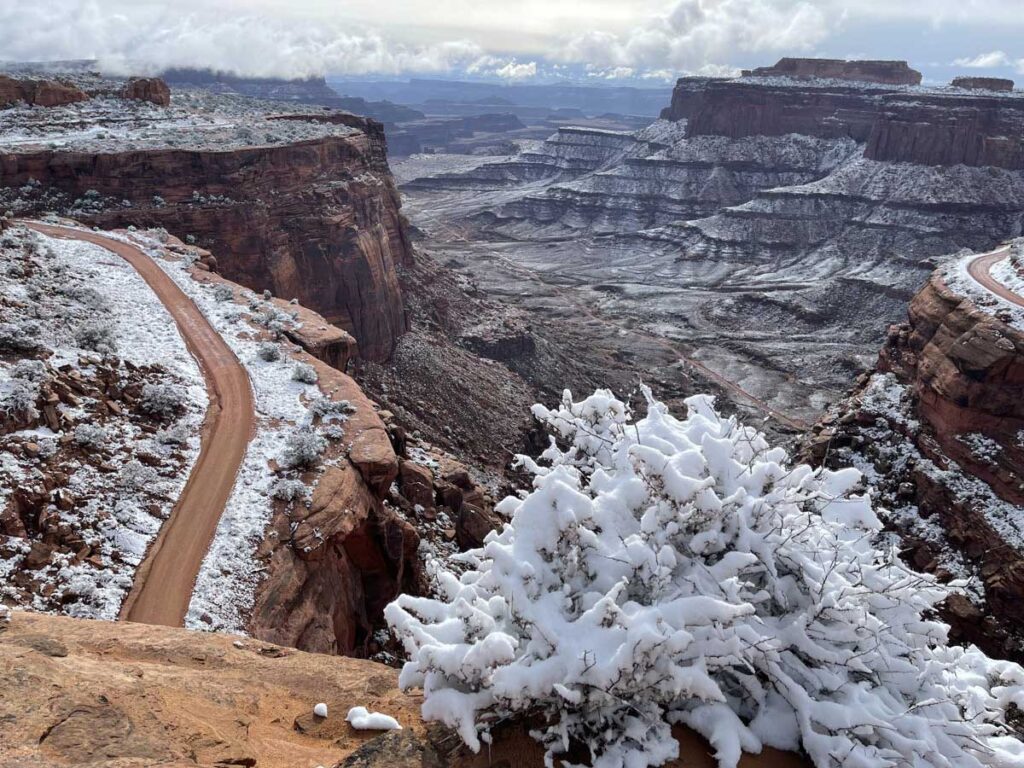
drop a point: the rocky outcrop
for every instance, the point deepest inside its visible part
(317, 220)
(948, 130)
(151, 89)
(983, 83)
(939, 424)
(333, 564)
(40, 93)
(89, 693)
(887, 72)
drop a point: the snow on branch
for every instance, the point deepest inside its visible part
(681, 571)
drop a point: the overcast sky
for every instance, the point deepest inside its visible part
(518, 40)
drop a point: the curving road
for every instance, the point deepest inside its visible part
(165, 579)
(980, 269)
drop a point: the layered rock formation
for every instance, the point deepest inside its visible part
(40, 93)
(937, 430)
(769, 222)
(151, 89)
(983, 83)
(888, 72)
(315, 217)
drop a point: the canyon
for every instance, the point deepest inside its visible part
(761, 241)
(301, 205)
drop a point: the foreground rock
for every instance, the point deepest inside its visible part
(85, 693)
(40, 93)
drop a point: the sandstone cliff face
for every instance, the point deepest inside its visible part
(983, 83)
(947, 130)
(938, 429)
(317, 220)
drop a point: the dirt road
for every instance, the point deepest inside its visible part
(981, 270)
(165, 579)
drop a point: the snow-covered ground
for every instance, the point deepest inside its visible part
(74, 294)
(1006, 272)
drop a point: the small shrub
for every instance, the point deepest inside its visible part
(137, 476)
(90, 435)
(287, 489)
(18, 399)
(163, 400)
(33, 371)
(223, 293)
(20, 337)
(326, 409)
(269, 352)
(97, 336)
(175, 435)
(305, 373)
(303, 448)
(333, 431)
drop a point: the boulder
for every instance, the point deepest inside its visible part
(473, 524)
(416, 483)
(151, 89)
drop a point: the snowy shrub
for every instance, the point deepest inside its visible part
(137, 476)
(269, 351)
(163, 400)
(326, 409)
(333, 432)
(223, 293)
(174, 435)
(98, 336)
(33, 371)
(20, 337)
(18, 399)
(290, 490)
(665, 571)
(90, 435)
(305, 373)
(303, 448)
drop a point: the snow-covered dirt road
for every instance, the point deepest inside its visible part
(164, 581)
(981, 270)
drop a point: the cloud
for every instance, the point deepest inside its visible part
(696, 33)
(985, 61)
(516, 71)
(146, 37)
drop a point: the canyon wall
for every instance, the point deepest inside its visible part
(937, 429)
(317, 220)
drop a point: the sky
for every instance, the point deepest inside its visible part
(603, 41)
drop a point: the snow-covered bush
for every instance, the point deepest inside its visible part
(20, 337)
(287, 489)
(305, 373)
(269, 352)
(18, 399)
(90, 435)
(326, 409)
(29, 370)
(665, 571)
(137, 476)
(98, 336)
(163, 400)
(223, 293)
(303, 448)
(176, 434)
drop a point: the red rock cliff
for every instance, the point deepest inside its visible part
(316, 220)
(887, 72)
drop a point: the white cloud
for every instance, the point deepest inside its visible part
(985, 60)
(515, 71)
(696, 33)
(147, 37)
